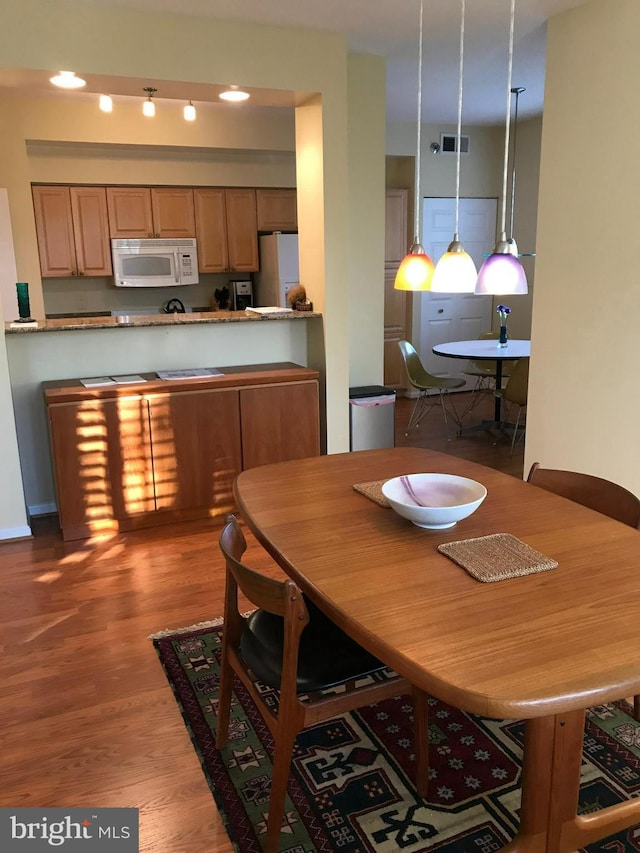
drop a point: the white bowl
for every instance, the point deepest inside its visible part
(447, 498)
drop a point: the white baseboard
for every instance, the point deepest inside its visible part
(15, 532)
(42, 509)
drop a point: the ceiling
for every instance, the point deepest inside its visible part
(389, 28)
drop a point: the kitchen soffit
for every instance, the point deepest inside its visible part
(36, 82)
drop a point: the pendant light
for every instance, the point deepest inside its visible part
(189, 112)
(106, 103)
(416, 270)
(455, 271)
(511, 240)
(148, 107)
(502, 272)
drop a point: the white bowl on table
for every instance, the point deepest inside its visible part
(445, 498)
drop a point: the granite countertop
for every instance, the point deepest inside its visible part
(62, 324)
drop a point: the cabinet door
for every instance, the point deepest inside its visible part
(102, 463)
(396, 243)
(242, 230)
(211, 230)
(173, 212)
(196, 448)
(279, 422)
(91, 230)
(277, 210)
(130, 212)
(54, 227)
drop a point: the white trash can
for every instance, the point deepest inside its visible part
(372, 417)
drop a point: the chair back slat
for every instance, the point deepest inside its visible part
(594, 492)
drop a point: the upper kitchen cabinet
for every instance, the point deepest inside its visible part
(277, 210)
(73, 236)
(143, 212)
(226, 230)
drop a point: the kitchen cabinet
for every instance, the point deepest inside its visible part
(226, 230)
(150, 453)
(277, 209)
(143, 212)
(103, 463)
(72, 231)
(196, 448)
(279, 422)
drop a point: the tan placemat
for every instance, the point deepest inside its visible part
(496, 557)
(373, 491)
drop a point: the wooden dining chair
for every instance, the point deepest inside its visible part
(290, 645)
(432, 389)
(596, 493)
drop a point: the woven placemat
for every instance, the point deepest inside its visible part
(496, 557)
(373, 491)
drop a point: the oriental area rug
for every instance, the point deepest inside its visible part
(351, 787)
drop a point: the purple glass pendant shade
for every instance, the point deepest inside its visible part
(501, 274)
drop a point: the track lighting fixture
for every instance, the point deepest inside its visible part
(148, 107)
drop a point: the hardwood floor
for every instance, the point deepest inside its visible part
(88, 716)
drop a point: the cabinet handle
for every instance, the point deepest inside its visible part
(81, 273)
(440, 310)
(156, 235)
(149, 234)
(73, 272)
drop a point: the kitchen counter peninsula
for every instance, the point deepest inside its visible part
(195, 318)
(105, 346)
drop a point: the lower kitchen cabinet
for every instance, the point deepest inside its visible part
(103, 463)
(196, 448)
(145, 454)
(279, 423)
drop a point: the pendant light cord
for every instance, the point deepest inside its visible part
(503, 219)
(516, 91)
(460, 76)
(417, 178)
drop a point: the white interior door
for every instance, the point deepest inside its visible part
(443, 317)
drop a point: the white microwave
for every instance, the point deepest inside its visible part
(154, 263)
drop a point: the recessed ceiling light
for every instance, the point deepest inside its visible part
(234, 94)
(68, 80)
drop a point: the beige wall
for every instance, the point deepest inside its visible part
(315, 66)
(583, 408)
(13, 515)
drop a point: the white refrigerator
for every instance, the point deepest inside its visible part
(279, 269)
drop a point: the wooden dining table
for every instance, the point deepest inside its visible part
(543, 647)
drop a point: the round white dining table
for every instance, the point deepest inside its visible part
(487, 350)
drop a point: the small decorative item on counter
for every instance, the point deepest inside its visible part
(24, 308)
(503, 313)
(297, 299)
(221, 299)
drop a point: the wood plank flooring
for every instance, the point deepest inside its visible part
(87, 716)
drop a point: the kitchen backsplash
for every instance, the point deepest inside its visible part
(63, 298)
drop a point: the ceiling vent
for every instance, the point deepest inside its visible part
(448, 143)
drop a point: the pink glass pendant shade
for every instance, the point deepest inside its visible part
(501, 274)
(416, 270)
